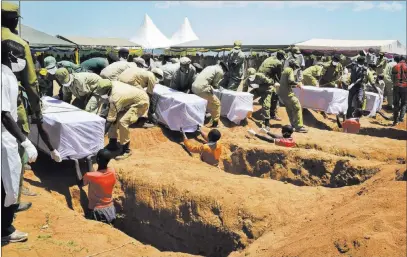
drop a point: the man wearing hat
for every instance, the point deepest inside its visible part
(123, 54)
(142, 78)
(26, 76)
(272, 68)
(114, 70)
(360, 77)
(381, 64)
(371, 57)
(291, 102)
(236, 67)
(332, 73)
(312, 75)
(127, 105)
(184, 76)
(262, 87)
(140, 62)
(84, 86)
(95, 65)
(296, 55)
(203, 87)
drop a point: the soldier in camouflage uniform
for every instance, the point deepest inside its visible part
(262, 87)
(272, 68)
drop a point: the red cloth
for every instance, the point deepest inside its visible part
(400, 70)
(100, 190)
(351, 126)
(287, 142)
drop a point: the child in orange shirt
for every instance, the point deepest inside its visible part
(211, 151)
(101, 184)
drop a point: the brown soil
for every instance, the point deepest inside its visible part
(334, 194)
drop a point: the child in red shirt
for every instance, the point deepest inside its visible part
(285, 140)
(101, 184)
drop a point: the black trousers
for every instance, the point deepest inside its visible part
(358, 91)
(400, 103)
(274, 104)
(7, 215)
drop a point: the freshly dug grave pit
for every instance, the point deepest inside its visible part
(199, 209)
(302, 167)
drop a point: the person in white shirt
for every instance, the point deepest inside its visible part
(11, 61)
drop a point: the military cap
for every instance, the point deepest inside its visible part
(237, 44)
(62, 75)
(295, 50)
(140, 61)
(158, 73)
(104, 85)
(185, 61)
(251, 72)
(50, 62)
(9, 10)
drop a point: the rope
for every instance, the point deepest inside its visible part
(95, 254)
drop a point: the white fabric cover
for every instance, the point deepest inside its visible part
(149, 36)
(72, 131)
(184, 34)
(388, 46)
(333, 100)
(179, 110)
(234, 105)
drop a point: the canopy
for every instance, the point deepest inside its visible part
(184, 34)
(149, 36)
(38, 38)
(99, 42)
(387, 46)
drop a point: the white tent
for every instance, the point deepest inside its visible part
(388, 46)
(149, 36)
(184, 34)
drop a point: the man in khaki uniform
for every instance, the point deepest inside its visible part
(381, 64)
(139, 77)
(332, 73)
(203, 87)
(272, 68)
(29, 84)
(127, 105)
(184, 75)
(84, 86)
(311, 75)
(113, 71)
(263, 88)
(291, 102)
(236, 67)
(388, 81)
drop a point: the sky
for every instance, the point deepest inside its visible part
(222, 22)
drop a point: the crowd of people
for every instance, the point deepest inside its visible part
(121, 90)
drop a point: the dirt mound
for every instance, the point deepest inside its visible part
(303, 167)
(369, 222)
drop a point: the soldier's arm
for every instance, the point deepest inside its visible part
(245, 85)
(30, 83)
(66, 95)
(265, 80)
